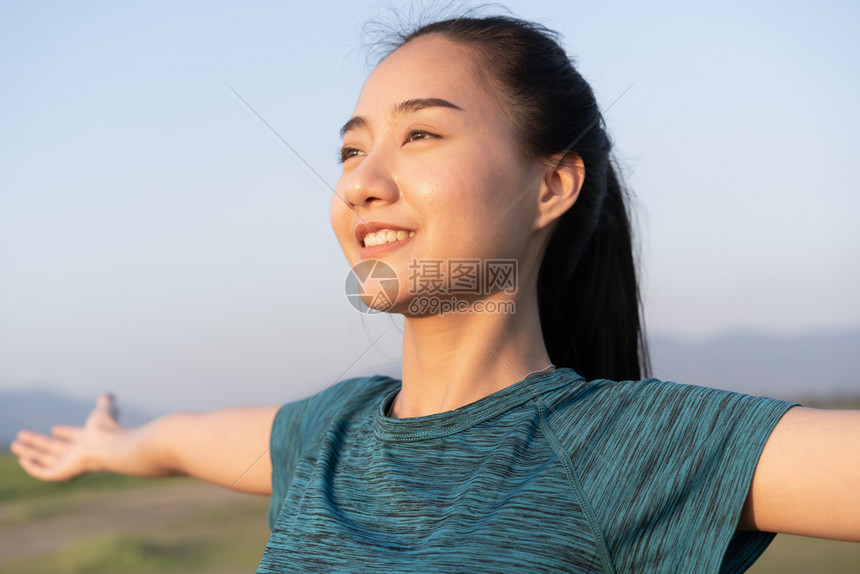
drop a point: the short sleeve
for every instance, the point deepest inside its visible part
(285, 447)
(667, 468)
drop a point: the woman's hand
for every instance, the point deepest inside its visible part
(228, 447)
(69, 451)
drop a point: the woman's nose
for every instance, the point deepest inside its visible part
(370, 182)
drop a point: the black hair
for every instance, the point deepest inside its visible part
(588, 295)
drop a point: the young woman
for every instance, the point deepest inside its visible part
(476, 169)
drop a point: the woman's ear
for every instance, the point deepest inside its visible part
(559, 187)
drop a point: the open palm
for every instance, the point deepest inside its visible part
(68, 451)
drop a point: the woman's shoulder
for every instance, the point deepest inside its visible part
(647, 393)
(648, 408)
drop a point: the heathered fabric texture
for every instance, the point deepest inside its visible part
(552, 474)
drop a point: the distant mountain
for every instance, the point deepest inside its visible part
(40, 409)
(813, 365)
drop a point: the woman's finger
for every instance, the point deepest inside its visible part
(26, 437)
(19, 448)
(40, 442)
(106, 408)
(25, 450)
(28, 452)
(40, 469)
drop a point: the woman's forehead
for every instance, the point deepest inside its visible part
(427, 67)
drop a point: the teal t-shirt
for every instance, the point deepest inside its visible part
(551, 474)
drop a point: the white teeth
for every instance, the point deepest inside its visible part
(386, 236)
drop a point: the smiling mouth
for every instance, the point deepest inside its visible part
(383, 236)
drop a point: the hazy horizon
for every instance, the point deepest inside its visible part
(816, 364)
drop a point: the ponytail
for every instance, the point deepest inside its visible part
(588, 295)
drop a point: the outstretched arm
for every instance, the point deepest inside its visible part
(227, 447)
(807, 481)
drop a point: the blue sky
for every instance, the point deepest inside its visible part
(156, 239)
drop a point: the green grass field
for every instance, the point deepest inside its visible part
(110, 524)
(105, 523)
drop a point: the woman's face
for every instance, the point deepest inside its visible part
(432, 170)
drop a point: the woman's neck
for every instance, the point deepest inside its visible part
(455, 359)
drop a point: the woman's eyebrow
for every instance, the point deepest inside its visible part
(420, 103)
(401, 108)
(353, 123)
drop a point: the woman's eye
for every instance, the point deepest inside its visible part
(415, 135)
(346, 153)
